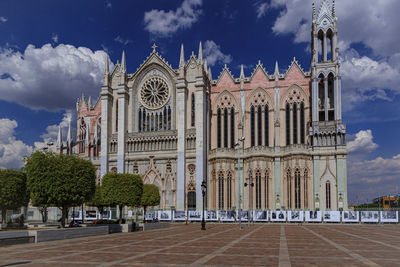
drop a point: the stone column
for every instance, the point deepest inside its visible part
(122, 95)
(106, 98)
(314, 95)
(277, 183)
(201, 139)
(324, 49)
(181, 143)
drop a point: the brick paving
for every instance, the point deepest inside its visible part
(221, 245)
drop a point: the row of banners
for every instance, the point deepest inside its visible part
(276, 216)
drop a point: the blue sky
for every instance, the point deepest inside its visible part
(52, 51)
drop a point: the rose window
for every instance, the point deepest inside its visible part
(154, 93)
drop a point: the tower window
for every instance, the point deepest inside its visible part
(266, 125)
(294, 123)
(252, 126)
(297, 188)
(219, 128)
(193, 110)
(232, 127)
(229, 191)
(225, 127)
(259, 126)
(287, 124)
(221, 191)
(258, 190)
(302, 124)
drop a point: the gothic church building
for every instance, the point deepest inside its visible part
(178, 127)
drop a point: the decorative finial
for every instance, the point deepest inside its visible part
(182, 58)
(200, 54)
(241, 72)
(276, 68)
(154, 47)
(123, 62)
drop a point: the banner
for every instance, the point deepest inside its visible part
(389, 216)
(370, 216)
(260, 216)
(150, 215)
(295, 216)
(313, 216)
(227, 215)
(195, 215)
(211, 215)
(179, 215)
(164, 215)
(331, 216)
(350, 216)
(278, 216)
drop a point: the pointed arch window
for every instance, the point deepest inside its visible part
(266, 186)
(287, 124)
(259, 126)
(258, 189)
(219, 128)
(229, 191)
(297, 190)
(225, 127)
(252, 126)
(302, 124)
(232, 127)
(294, 123)
(140, 119)
(148, 122)
(289, 189)
(266, 125)
(169, 118)
(193, 110)
(221, 190)
(328, 194)
(305, 189)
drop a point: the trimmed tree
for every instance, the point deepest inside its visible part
(122, 189)
(13, 193)
(59, 180)
(150, 197)
(98, 200)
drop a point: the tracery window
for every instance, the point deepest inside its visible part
(154, 93)
(294, 123)
(287, 124)
(193, 110)
(221, 190)
(259, 126)
(232, 127)
(252, 126)
(82, 136)
(289, 189)
(258, 189)
(219, 128)
(328, 194)
(229, 191)
(266, 125)
(297, 188)
(302, 124)
(225, 127)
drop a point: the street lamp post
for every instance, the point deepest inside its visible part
(240, 195)
(203, 191)
(250, 184)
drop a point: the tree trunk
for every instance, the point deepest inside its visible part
(144, 214)
(3, 215)
(64, 215)
(101, 212)
(120, 213)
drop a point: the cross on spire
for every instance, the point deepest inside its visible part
(154, 47)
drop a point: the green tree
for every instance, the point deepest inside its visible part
(122, 189)
(59, 180)
(150, 197)
(13, 193)
(98, 200)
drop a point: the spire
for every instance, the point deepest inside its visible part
(123, 63)
(106, 66)
(313, 11)
(205, 65)
(200, 54)
(182, 58)
(241, 72)
(82, 102)
(276, 68)
(69, 135)
(89, 103)
(59, 139)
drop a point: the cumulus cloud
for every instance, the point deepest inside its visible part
(50, 78)
(12, 150)
(3, 19)
(261, 8)
(363, 143)
(164, 23)
(51, 133)
(212, 52)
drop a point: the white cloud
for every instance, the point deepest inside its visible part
(108, 4)
(363, 143)
(3, 19)
(54, 37)
(261, 8)
(121, 40)
(212, 52)
(12, 150)
(50, 78)
(164, 23)
(51, 133)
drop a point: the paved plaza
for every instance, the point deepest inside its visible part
(220, 245)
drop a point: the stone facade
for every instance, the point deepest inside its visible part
(177, 127)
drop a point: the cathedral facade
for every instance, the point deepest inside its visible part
(276, 139)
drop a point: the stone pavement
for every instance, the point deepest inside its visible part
(220, 245)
